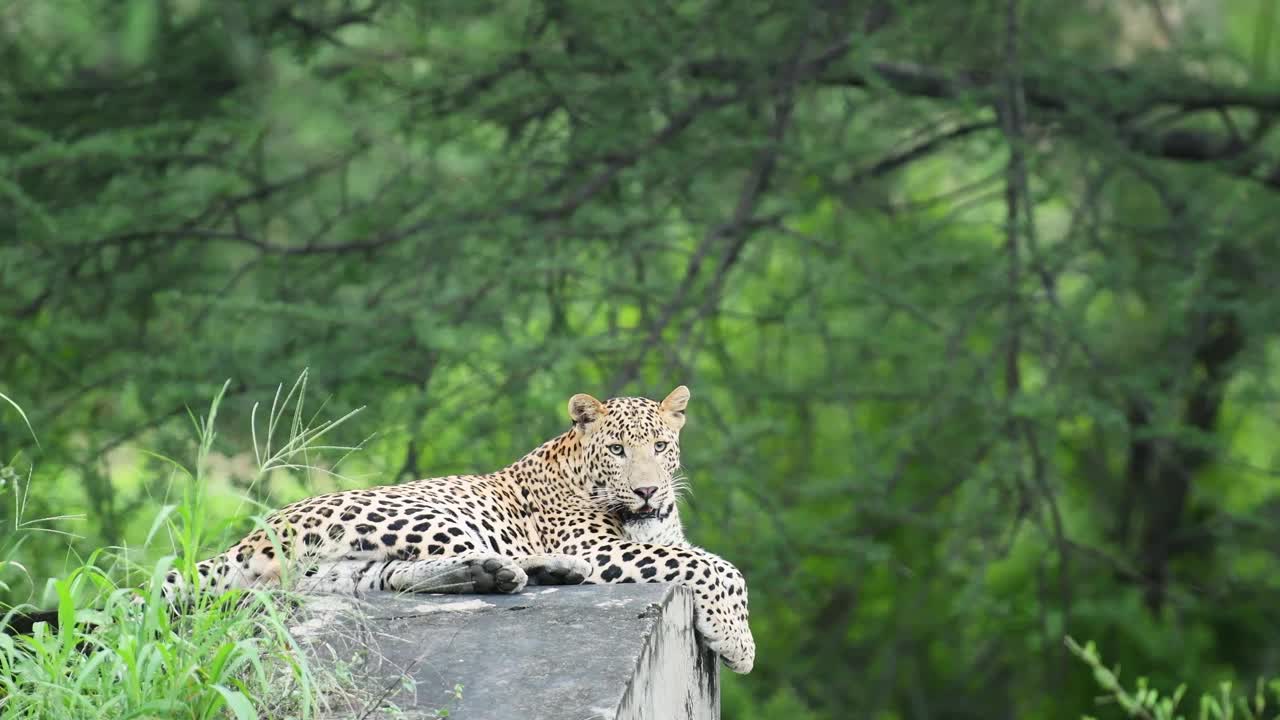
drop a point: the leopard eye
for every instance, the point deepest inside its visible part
(660, 446)
(616, 449)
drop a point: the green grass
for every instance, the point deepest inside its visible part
(112, 657)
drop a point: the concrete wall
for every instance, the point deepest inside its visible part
(607, 652)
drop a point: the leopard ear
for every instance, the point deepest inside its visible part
(585, 410)
(672, 408)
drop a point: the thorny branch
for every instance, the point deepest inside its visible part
(735, 230)
(1020, 229)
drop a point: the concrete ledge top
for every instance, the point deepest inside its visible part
(571, 653)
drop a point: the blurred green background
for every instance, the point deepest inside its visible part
(977, 300)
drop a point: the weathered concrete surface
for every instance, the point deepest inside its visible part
(605, 652)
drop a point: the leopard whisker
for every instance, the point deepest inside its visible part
(681, 486)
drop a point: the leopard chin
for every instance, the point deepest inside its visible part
(646, 514)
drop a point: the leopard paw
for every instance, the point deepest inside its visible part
(498, 573)
(555, 569)
(739, 656)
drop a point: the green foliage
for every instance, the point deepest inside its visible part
(974, 300)
(1149, 703)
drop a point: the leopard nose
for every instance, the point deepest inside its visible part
(646, 492)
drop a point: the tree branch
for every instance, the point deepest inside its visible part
(1133, 93)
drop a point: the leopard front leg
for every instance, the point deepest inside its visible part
(468, 573)
(458, 574)
(720, 591)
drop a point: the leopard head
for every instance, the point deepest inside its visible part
(631, 453)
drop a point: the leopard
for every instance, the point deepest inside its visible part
(596, 504)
